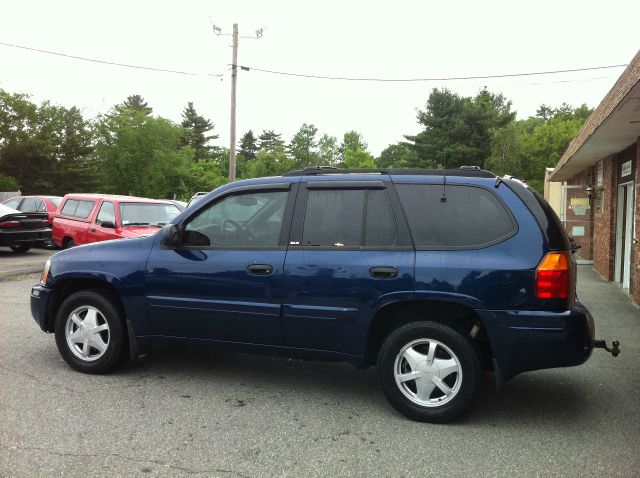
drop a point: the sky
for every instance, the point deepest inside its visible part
(378, 39)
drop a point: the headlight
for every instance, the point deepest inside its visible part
(45, 272)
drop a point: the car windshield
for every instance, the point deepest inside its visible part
(55, 201)
(147, 214)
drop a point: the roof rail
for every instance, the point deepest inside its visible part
(470, 171)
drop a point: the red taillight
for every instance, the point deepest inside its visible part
(552, 276)
(10, 224)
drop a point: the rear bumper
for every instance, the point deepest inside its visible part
(39, 305)
(17, 238)
(531, 340)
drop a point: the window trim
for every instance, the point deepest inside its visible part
(290, 188)
(403, 238)
(485, 245)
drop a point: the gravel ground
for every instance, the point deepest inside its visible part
(180, 412)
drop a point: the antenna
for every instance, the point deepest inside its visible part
(443, 198)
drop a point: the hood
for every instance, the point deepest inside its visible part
(138, 231)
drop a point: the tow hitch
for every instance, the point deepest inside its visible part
(602, 344)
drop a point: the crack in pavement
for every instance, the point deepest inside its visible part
(122, 457)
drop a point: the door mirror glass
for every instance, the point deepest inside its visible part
(108, 224)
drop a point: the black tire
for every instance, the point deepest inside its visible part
(20, 248)
(69, 244)
(116, 350)
(465, 386)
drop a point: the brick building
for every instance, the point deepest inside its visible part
(600, 178)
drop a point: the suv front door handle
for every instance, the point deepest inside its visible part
(383, 272)
(260, 269)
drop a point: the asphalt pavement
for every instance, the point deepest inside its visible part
(15, 263)
(182, 412)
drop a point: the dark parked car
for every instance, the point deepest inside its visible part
(48, 204)
(433, 280)
(21, 231)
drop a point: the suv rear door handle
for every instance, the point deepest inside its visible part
(383, 272)
(260, 269)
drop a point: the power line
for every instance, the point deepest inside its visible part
(449, 78)
(105, 62)
(320, 77)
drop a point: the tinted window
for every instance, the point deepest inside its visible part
(380, 225)
(12, 203)
(84, 209)
(333, 218)
(69, 208)
(30, 205)
(107, 213)
(470, 217)
(253, 219)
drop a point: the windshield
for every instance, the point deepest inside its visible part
(55, 201)
(147, 214)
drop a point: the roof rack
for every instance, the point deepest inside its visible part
(469, 171)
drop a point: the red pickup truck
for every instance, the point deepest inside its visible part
(86, 218)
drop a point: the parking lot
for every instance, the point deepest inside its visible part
(12, 263)
(184, 412)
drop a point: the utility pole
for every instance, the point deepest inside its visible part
(234, 83)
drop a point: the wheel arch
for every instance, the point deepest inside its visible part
(396, 314)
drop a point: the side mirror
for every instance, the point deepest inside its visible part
(108, 224)
(171, 235)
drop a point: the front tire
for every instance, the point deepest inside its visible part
(429, 372)
(90, 332)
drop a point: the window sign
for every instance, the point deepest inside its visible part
(577, 231)
(599, 177)
(626, 169)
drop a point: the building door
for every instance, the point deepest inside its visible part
(624, 233)
(577, 218)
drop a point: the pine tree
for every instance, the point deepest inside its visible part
(195, 127)
(137, 102)
(248, 145)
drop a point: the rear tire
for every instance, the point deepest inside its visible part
(429, 371)
(69, 244)
(20, 248)
(90, 332)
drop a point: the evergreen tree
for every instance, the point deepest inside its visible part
(137, 102)
(248, 145)
(271, 142)
(196, 127)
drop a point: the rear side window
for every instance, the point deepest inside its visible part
(77, 208)
(348, 218)
(471, 217)
(32, 205)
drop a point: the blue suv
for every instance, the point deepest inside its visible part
(432, 276)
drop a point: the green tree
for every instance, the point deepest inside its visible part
(195, 132)
(457, 129)
(399, 155)
(8, 184)
(47, 149)
(248, 145)
(141, 155)
(352, 140)
(358, 159)
(328, 150)
(271, 141)
(137, 102)
(302, 147)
